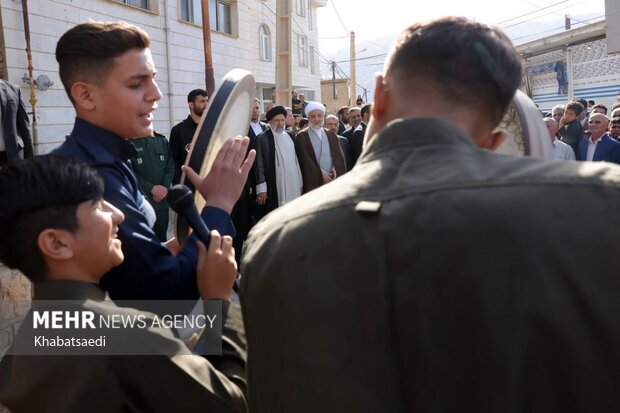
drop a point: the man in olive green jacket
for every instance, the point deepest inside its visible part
(436, 276)
(155, 168)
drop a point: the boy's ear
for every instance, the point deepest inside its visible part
(83, 94)
(56, 244)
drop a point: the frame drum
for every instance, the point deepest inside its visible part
(228, 115)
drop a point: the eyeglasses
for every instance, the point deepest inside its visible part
(594, 121)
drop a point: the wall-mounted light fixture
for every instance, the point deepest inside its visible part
(42, 82)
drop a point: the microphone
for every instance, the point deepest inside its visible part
(181, 200)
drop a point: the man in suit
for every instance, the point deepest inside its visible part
(331, 124)
(599, 146)
(343, 117)
(15, 141)
(243, 212)
(357, 137)
(320, 157)
(355, 119)
(435, 276)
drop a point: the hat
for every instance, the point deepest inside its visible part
(314, 106)
(275, 111)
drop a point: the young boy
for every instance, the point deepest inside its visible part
(58, 230)
(109, 75)
(570, 127)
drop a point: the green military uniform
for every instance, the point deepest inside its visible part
(154, 166)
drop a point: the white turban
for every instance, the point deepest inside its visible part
(314, 106)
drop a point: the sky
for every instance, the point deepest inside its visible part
(376, 23)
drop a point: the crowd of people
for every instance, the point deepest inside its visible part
(585, 128)
(433, 276)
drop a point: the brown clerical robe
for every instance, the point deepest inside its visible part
(310, 170)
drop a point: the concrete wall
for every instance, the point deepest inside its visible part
(15, 295)
(50, 18)
(342, 94)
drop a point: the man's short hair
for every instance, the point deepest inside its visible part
(354, 109)
(45, 192)
(191, 96)
(331, 117)
(550, 119)
(464, 61)
(615, 121)
(575, 106)
(342, 109)
(599, 106)
(562, 107)
(590, 102)
(366, 108)
(86, 51)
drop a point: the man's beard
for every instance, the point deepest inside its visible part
(279, 130)
(316, 127)
(198, 112)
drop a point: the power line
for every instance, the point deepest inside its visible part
(534, 18)
(338, 15)
(532, 12)
(362, 58)
(585, 23)
(334, 38)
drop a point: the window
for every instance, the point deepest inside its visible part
(302, 41)
(191, 11)
(302, 7)
(219, 16)
(310, 18)
(312, 59)
(143, 4)
(150, 5)
(264, 39)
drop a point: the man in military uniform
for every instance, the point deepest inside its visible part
(154, 168)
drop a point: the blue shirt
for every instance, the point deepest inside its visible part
(150, 271)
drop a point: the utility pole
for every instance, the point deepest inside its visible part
(284, 72)
(334, 79)
(206, 38)
(352, 89)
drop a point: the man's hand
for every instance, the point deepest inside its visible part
(159, 193)
(217, 269)
(327, 177)
(261, 198)
(222, 187)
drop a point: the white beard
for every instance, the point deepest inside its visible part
(316, 128)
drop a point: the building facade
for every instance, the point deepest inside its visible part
(574, 63)
(242, 36)
(335, 94)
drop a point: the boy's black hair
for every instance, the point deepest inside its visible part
(39, 193)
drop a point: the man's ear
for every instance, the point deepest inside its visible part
(378, 109)
(56, 244)
(84, 95)
(493, 140)
(378, 105)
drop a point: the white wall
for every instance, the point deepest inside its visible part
(49, 19)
